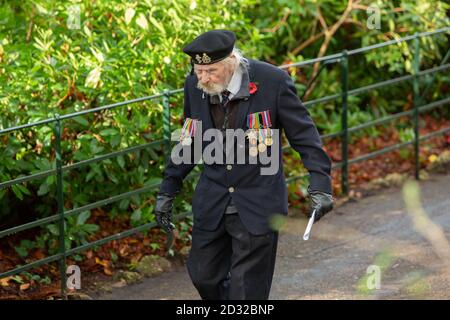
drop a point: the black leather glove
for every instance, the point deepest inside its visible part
(163, 210)
(322, 202)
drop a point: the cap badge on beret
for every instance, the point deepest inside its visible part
(211, 46)
(203, 59)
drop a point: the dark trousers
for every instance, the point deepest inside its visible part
(231, 263)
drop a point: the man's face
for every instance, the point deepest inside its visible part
(213, 78)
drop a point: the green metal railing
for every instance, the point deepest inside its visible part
(341, 58)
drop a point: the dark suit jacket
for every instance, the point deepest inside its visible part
(257, 197)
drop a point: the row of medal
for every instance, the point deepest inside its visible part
(259, 133)
(188, 131)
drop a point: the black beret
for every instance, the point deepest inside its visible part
(211, 47)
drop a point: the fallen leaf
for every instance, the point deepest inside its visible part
(136, 257)
(123, 250)
(104, 263)
(107, 271)
(38, 254)
(432, 158)
(24, 286)
(4, 282)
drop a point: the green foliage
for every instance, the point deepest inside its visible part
(76, 233)
(185, 227)
(24, 247)
(35, 277)
(142, 216)
(406, 135)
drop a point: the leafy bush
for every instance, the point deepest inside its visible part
(121, 51)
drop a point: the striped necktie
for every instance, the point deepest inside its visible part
(225, 97)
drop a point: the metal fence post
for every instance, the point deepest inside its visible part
(60, 200)
(166, 122)
(416, 89)
(167, 137)
(344, 122)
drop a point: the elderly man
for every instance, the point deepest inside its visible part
(233, 245)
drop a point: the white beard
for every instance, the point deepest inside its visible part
(212, 89)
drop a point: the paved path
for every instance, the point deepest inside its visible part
(333, 264)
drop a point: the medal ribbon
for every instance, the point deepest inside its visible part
(189, 128)
(254, 120)
(183, 130)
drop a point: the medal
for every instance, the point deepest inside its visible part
(259, 124)
(262, 147)
(253, 123)
(188, 131)
(261, 135)
(266, 119)
(252, 137)
(187, 141)
(251, 134)
(268, 140)
(253, 151)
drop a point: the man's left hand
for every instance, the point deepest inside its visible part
(163, 211)
(322, 202)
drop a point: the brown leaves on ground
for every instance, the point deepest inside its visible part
(25, 286)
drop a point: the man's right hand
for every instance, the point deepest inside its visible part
(163, 210)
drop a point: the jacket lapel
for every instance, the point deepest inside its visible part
(244, 103)
(204, 110)
(243, 107)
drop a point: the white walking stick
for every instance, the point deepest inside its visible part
(309, 226)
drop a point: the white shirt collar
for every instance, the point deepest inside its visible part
(235, 82)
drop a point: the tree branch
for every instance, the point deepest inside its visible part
(329, 32)
(279, 24)
(30, 27)
(306, 43)
(321, 19)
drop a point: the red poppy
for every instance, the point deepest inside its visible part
(252, 88)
